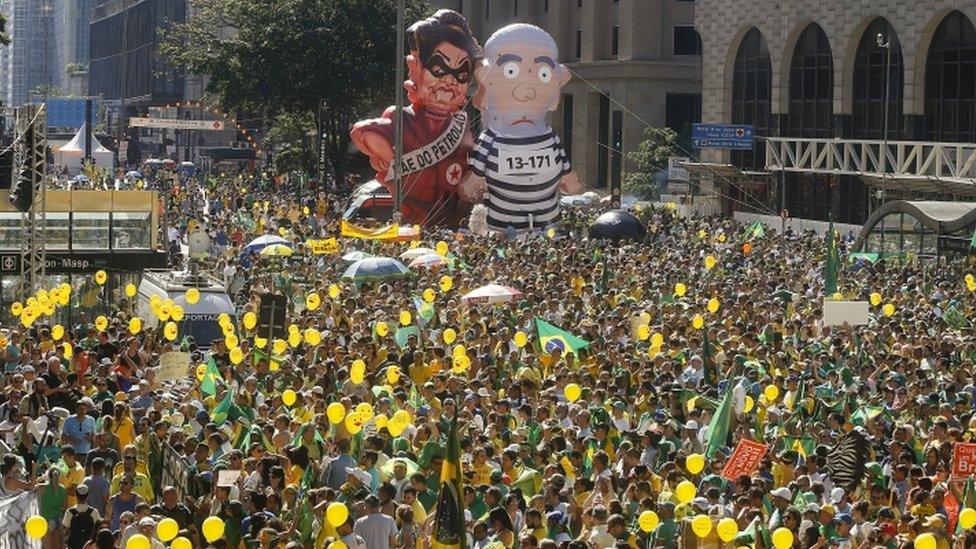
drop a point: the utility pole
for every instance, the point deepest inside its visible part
(398, 135)
(885, 43)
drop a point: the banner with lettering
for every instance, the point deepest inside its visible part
(324, 246)
(963, 459)
(745, 459)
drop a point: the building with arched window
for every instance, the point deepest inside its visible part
(855, 103)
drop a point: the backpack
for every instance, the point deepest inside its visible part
(82, 528)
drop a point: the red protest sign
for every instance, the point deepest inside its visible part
(744, 460)
(963, 459)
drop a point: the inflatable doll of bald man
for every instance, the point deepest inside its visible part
(518, 164)
(436, 134)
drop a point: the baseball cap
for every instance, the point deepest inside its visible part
(837, 495)
(845, 518)
(81, 490)
(147, 521)
(782, 492)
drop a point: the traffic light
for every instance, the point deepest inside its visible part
(22, 189)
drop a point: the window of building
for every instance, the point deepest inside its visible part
(878, 73)
(752, 90)
(130, 230)
(545, 6)
(950, 81)
(615, 40)
(811, 86)
(90, 231)
(686, 40)
(682, 110)
(603, 142)
(579, 42)
(568, 126)
(579, 3)
(57, 225)
(515, 2)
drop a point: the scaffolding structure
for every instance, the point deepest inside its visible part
(30, 164)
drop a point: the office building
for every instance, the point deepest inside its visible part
(636, 63)
(29, 62)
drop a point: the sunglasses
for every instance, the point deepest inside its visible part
(438, 67)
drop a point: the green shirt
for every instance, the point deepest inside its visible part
(51, 502)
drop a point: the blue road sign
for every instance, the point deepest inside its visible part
(723, 136)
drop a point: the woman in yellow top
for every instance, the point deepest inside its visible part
(125, 427)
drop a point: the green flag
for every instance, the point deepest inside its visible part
(405, 332)
(551, 337)
(210, 378)
(968, 501)
(711, 375)
(865, 413)
(226, 409)
(718, 428)
(449, 528)
(833, 261)
(972, 240)
(755, 230)
(955, 319)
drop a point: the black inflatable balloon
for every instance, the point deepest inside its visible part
(617, 225)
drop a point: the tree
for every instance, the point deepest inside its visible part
(290, 135)
(284, 56)
(650, 157)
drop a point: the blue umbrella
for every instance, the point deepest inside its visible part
(80, 178)
(263, 242)
(134, 174)
(376, 268)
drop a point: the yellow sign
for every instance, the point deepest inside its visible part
(323, 246)
(390, 232)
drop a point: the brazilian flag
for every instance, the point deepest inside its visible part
(211, 376)
(552, 338)
(449, 528)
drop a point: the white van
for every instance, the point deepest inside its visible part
(200, 319)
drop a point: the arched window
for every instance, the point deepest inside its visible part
(878, 72)
(752, 90)
(950, 81)
(811, 85)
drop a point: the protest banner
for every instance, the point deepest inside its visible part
(172, 366)
(323, 246)
(744, 460)
(963, 459)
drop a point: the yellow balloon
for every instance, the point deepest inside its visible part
(441, 248)
(393, 375)
(353, 423)
(783, 539)
(430, 295)
(67, 351)
(697, 322)
(213, 528)
(381, 421)
(138, 541)
(236, 356)
(130, 290)
(382, 329)
(713, 305)
(837, 296)
(293, 328)
(727, 529)
(969, 278)
(181, 543)
(170, 331)
(294, 339)
(449, 336)
(520, 339)
(223, 319)
(875, 299)
(101, 323)
(967, 518)
(695, 463)
(446, 283)
(365, 411)
(312, 301)
(250, 320)
(648, 521)
(680, 289)
(135, 325)
(201, 371)
(709, 262)
(167, 529)
(100, 277)
(338, 544)
(657, 339)
(279, 347)
(36, 527)
(749, 404)
(337, 513)
(396, 428)
(685, 491)
(405, 318)
(551, 233)
(288, 397)
(402, 416)
(643, 332)
(357, 376)
(888, 309)
(358, 365)
(335, 412)
(228, 330)
(701, 525)
(313, 337)
(260, 342)
(15, 309)
(461, 364)
(57, 332)
(334, 291)
(771, 392)
(458, 351)
(176, 313)
(572, 392)
(192, 296)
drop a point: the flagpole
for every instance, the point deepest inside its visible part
(398, 120)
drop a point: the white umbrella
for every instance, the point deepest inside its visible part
(492, 293)
(414, 253)
(429, 260)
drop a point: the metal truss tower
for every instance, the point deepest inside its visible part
(30, 164)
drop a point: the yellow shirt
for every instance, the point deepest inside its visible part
(482, 475)
(142, 488)
(295, 474)
(419, 513)
(71, 478)
(126, 431)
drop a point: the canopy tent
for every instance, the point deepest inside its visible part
(71, 153)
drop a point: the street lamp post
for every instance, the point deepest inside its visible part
(885, 43)
(398, 128)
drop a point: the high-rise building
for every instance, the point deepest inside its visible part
(635, 64)
(72, 21)
(29, 61)
(855, 103)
